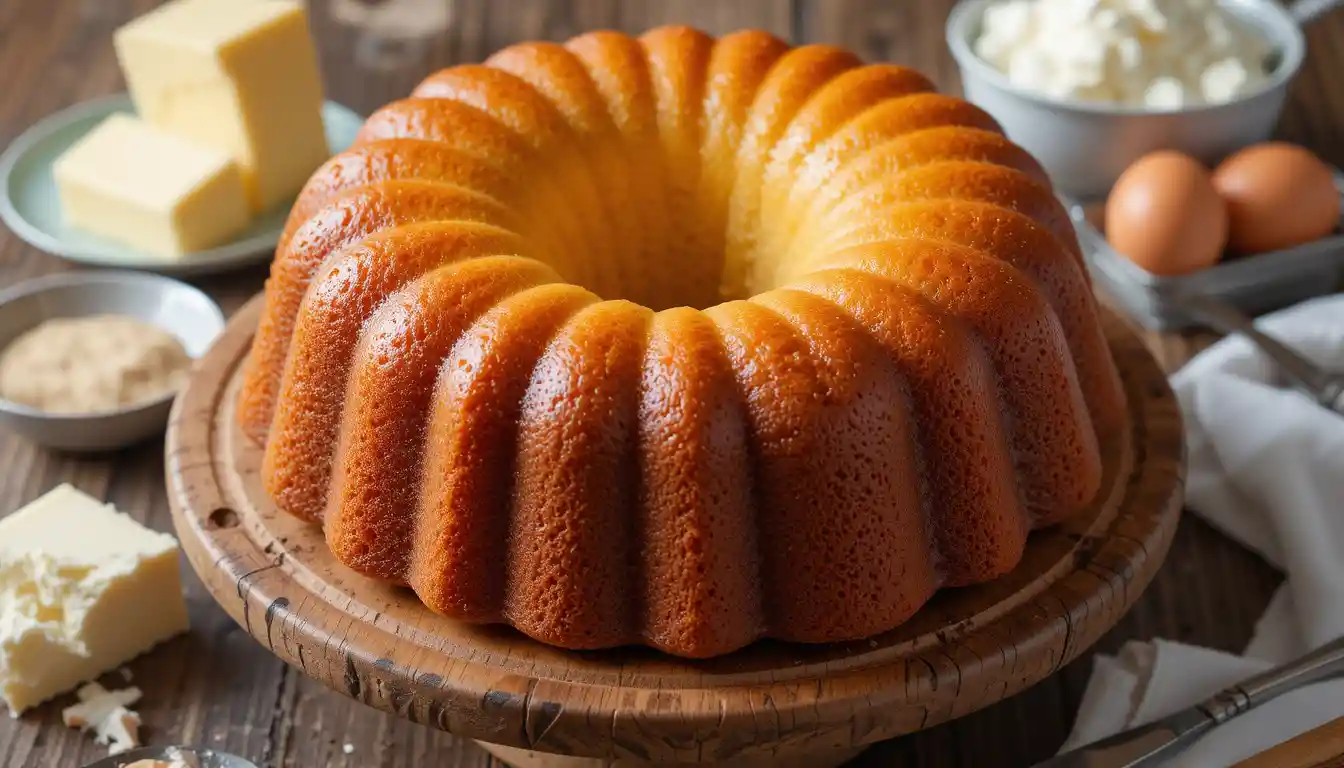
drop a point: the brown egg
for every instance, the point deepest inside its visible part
(1278, 195)
(1164, 215)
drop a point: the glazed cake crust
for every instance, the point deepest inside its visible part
(680, 341)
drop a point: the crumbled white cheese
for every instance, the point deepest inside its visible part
(1164, 93)
(1159, 54)
(108, 715)
(39, 624)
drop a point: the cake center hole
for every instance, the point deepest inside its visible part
(689, 272)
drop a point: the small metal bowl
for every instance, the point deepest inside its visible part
(1085, 146)
(206, 758)
(176, 307)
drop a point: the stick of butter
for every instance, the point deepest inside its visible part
(83, 589)
(238, 76)
(132, 183)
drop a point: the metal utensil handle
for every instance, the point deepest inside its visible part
(1141, 746)
(1306, 11)
(1322, 664)
(1333, 397)
(1321, 385)
(1144, 745)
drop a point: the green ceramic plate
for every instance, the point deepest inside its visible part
(29, 205)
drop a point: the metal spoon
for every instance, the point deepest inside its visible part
(1325, 387)
(207, 758)
(1307, 11)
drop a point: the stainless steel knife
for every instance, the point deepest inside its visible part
(1146, 745)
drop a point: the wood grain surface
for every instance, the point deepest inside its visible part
(217, 687)
(1321, 747)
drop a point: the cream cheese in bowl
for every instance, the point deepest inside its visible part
(1090, 86)
(1147, 54)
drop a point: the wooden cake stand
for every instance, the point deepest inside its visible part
(770, 704)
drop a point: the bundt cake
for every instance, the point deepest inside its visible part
(680, 341)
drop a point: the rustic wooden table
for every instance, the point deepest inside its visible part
(216, 687)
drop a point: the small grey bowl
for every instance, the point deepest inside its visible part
(206, 758)
(178, 308)
(1085, 146)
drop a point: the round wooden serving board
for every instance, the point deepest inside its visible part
(770, 704)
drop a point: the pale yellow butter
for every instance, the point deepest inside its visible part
(132, 183)
(83, 589)
(239, 76)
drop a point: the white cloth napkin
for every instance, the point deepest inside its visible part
(1267, 469)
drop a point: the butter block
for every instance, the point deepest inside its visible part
(239, 76)
(83, 589)
(132, 183)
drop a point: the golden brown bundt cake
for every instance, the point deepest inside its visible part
(680, 341)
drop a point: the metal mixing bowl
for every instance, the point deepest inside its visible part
(1085, 146)
(178, 308)
(206, 758)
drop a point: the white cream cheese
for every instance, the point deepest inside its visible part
(1157, 54)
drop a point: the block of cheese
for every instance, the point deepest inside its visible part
(132, 183)
(83, 589)
(240, 76)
